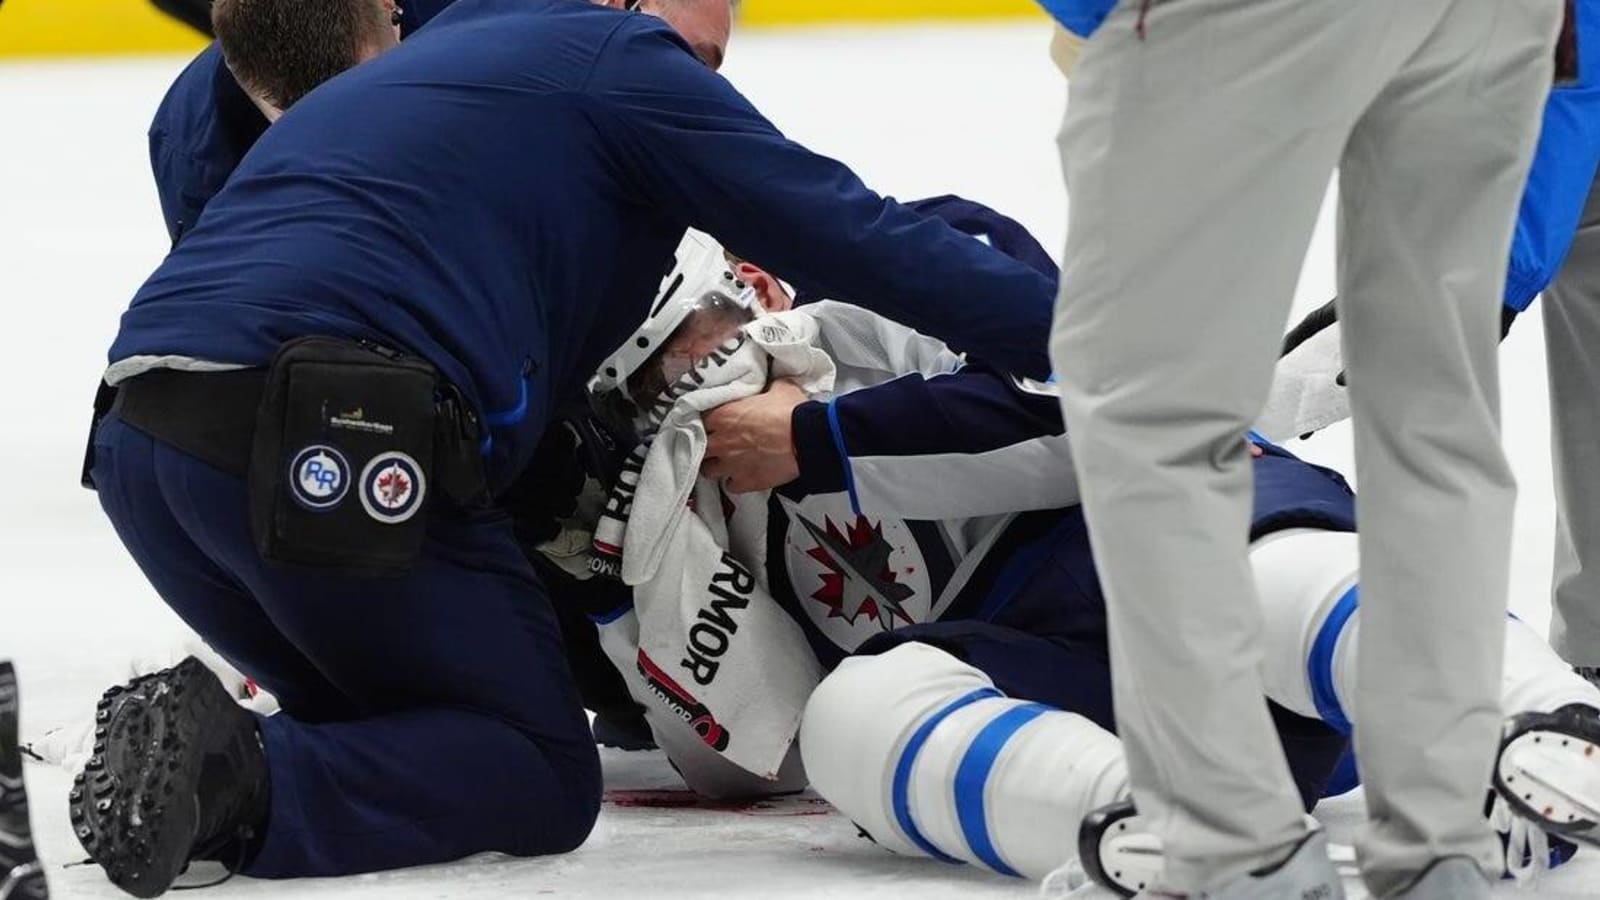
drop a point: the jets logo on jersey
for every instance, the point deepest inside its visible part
(319, 477)
(854, 576)
(392, 488)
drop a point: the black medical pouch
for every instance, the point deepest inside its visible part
(342, 467)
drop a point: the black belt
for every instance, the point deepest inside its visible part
(208, 415)
(212, 417)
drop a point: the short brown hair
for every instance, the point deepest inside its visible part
(282, 49)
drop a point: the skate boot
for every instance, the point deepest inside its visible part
(21, 875)
(1549, 770)
(1118, 854)
(178, 774)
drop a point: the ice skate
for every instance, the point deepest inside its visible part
(178, 773)
(1549, 770)
(21, 875)
(1120, 855)
(1116, 851)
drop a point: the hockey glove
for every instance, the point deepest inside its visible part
(1308, 386)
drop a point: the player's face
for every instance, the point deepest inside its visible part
(706, 329)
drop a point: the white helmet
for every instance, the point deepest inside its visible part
(699, 270)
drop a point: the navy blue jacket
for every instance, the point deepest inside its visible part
(502, 193)
(206, 123)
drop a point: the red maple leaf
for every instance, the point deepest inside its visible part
(862, 536)
(392, 485)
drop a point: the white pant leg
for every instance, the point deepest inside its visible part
(1422, 268)
(1196, 158)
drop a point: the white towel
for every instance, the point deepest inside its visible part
(1306, 395)
(706, 645)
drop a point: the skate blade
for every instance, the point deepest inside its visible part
(1130, 856)
(1555, 777)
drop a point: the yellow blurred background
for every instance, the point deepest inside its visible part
(94, 27)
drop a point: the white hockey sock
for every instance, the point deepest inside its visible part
(1536, 678)
(1307, 583)
(923, 752)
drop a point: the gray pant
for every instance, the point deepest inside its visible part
(1196, 160)
(1572, 343)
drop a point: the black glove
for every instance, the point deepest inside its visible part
(577, 458)
(547, 490)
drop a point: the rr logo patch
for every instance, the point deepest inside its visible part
(392, 488)
(319, 477)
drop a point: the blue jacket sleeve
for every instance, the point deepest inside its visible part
(188, 144)
(974, 442)
(995, 228)
(684, 140)
(1563, 172)
(1081, 17)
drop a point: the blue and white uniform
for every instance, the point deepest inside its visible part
(921, 513)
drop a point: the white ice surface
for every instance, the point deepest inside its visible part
(917, 111)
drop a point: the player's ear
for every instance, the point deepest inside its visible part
(773, 296)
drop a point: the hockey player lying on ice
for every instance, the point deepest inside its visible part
(952, 595)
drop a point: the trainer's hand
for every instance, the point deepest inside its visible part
(750, 442)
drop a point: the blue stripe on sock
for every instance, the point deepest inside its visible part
(901, 793)
(972, 776)
(1320, 664)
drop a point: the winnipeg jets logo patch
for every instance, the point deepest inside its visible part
(392, 488)
(319, 477)
(854, 576)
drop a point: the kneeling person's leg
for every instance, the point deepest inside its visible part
(458, 727)
(474, 737)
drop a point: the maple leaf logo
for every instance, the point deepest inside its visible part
(393, 487)
(858, 581)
